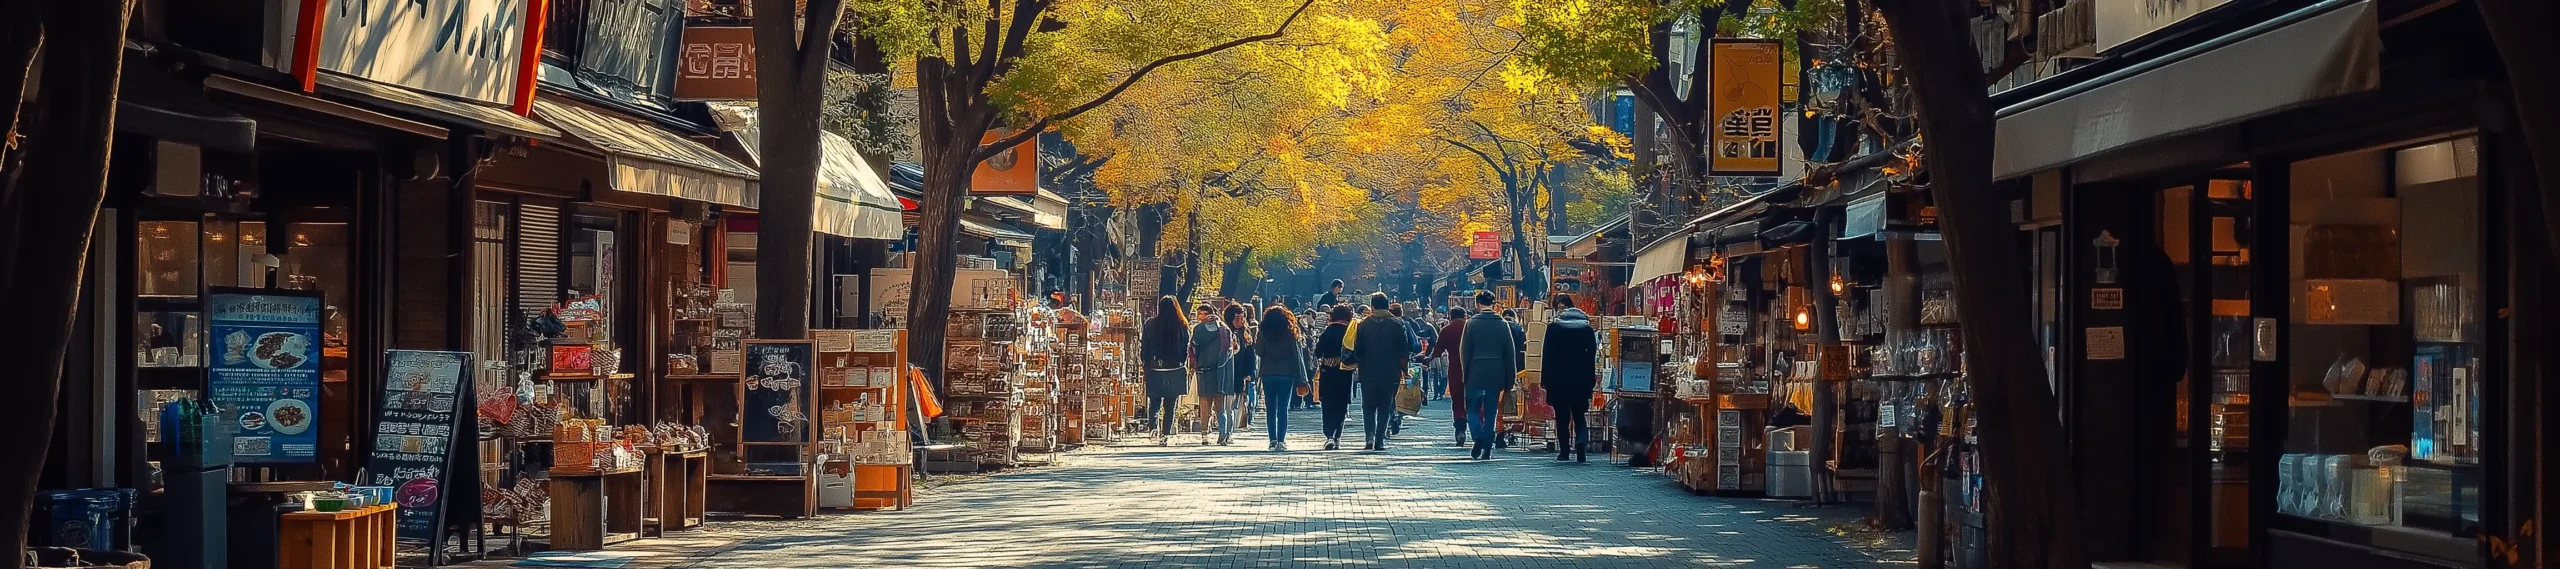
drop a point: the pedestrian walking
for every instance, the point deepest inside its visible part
(1456, 386)
(1164, 344)
(1380, 348)
(1247, 392)
(1284, 367)
(1213, 368)
(1333, 374)
(1492, 361)
(1570, 369)
(1331, 296)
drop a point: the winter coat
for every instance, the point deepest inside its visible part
(1570, 366)
(1248, 360)
(1450, 336)
(1329, 349)
(1213, 358)
(1163, 347)
(1492, 359)
(1381, 350)
(1519, 344)
(1283, 356)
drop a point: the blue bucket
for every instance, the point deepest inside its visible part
(81, 519)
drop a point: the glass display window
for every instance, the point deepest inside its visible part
(2387, 342)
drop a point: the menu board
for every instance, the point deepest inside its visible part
(413, 438)
(776, 397)
(265, 373)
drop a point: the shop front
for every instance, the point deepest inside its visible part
(2289, 330)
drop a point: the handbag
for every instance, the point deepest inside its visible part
(1409, 396)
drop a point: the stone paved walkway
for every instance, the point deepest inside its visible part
(1420, 504)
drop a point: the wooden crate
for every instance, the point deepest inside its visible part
(360, 538)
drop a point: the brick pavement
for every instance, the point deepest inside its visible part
(1419, 504)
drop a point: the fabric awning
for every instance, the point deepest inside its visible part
(1003, 236)
(439, 108)
(649, 160)
(1665, 257)
(151, 103)
(852, 201)
(1863, 217)
(1049, 210)
(2324, 51)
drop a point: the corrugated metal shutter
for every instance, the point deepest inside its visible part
(537, 257)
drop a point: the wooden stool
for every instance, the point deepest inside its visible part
(360, 538)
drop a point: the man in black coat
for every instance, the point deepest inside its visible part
(1570, 370)
(1381, 350)
(1493, 360)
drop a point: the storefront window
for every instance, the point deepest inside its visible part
(2386, 343)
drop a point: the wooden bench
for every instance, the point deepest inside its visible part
(358, 538)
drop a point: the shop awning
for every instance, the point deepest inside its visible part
(1665, 257)
(450, 111)
(151, 103)
(852, 201)
(650, 160)
(1005, 237)
(2323, 51)
(1863, 217)
(1049, 210)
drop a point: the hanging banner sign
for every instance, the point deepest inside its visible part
(717, 64)
(463, 48)
(1487, 246)
(1013, 172)
(413, 437)
(265, 375)
(1747, 87)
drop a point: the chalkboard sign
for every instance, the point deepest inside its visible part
(775, 393)
(423, 394)
(265, 373)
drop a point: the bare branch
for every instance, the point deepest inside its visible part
(1026, 133)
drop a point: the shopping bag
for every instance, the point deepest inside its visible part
(1409, 399)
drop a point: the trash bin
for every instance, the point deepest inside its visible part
(79, 519)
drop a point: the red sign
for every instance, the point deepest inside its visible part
(1488, 246)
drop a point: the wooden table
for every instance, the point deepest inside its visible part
(359, 538)
(592, 510)
(883, 486)
(756, 494)
(679, 490)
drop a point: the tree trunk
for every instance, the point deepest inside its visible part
(935, 262)
(2521, 31)
(790, 87)
(45, 228)
(2033, 510)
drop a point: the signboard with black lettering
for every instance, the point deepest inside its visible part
(423, 394)
(775, 394)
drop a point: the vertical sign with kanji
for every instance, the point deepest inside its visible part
(1746, 85)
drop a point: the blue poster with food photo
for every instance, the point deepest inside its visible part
(265, 370)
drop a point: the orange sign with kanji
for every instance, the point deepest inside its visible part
(1743, 138)
(718, 63)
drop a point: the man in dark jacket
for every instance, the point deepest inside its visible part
(1381, 350)
(1447, 346)
(1330, 297)
(1570, 369)
(1492, 361)
(1519, 336)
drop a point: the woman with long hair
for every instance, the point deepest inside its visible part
(1284, 365)
(1333, 378)
(1164, 344)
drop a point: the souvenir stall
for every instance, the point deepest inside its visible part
(983, 363)
(1070, 362)
(865, 459)
(1041, 406)
(1113, 391)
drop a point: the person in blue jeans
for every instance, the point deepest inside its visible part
(1213, 354)
(1492, 360)
(1165, 346)
(1284, 363)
